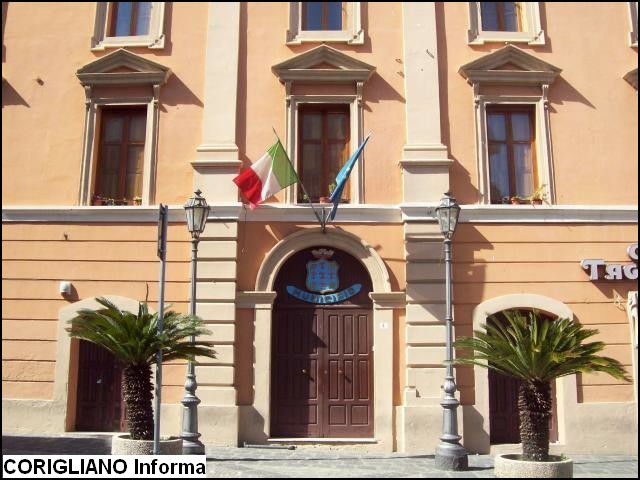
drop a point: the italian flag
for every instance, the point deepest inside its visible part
(267, 176)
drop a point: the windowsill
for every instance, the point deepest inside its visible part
(516, 37)
(149, 41)
(319, 36)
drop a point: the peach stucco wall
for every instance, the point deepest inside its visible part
(261, 105)
(43, 102)
(594, 112)
(496, 260)
(98, 259)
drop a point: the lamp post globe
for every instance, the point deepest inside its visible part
(197, 211)
(450, 455)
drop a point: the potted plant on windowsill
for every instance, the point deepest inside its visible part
(516, 200)
(538, 196)
(137, 200)
(537, 352)
(134, 341)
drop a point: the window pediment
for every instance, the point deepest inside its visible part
(323, 64)
(509, 66)
(123, 68)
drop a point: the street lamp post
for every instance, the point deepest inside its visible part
(197, 211)
(450, 455)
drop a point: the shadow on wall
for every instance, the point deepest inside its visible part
(462, 185)
(10, 96)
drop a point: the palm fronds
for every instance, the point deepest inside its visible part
(532, 349)
(134, 339)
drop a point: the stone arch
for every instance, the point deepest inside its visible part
(384, 301)
(565, 386)
(335, 238)
(64, 393)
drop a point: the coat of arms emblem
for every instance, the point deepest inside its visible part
(322, 274)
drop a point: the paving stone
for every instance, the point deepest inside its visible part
(313, 462)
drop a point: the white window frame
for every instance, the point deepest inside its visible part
(355, 124)
(92, 145)
(351, 33)
(633, 19)
(532, 32)
(154, 39)
(543, 153)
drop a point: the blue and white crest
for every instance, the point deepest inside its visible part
(322, 274)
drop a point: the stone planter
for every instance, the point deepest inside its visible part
(510, 466)
(123, 445)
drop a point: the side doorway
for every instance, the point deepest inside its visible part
(100, 407)
(504, 418)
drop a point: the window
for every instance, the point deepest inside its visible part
(501, 16)
(511, 151)
(325, 22)
(128, 24)
(324, 148)
(505, 22)
(323, 15)
(129, 19)
(633, 17)
(121, 157)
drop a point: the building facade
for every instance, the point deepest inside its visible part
(110, 109)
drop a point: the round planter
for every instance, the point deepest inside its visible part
(123, 445)
(510, 466)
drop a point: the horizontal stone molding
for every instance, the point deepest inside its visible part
(388, 299)
(258, 299)
(406, 212)
(216, 312)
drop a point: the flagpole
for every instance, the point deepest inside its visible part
(321, 220)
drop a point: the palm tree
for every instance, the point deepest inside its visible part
(536, 351)
(134, 341)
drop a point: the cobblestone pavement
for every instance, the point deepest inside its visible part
(313, 462)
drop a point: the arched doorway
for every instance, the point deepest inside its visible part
(322, 347)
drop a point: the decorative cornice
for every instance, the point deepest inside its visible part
(389, 299)
(138, 70)
(254, 299)
(490, 69)
(303, 67)
(373, 214)
(109, 214)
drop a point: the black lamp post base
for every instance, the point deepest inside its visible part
(452, 457)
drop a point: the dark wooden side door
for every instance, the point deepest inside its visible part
(322, 373)
(503, 408)
(99, 400)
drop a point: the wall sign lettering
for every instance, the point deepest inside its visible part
(613, 271)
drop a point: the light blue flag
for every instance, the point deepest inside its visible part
(343, 176)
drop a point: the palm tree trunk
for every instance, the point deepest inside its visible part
(534, 404)
(137, 390)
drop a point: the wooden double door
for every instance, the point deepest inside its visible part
(322, 373)
(100, 407)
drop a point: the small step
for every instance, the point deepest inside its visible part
(322, 440)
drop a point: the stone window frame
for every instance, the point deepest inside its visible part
(532, 35)
(153, 40)
(100, 73)
(355, 124)
(633, 19)
(336, 68)
(353, 34)
(543, 153)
